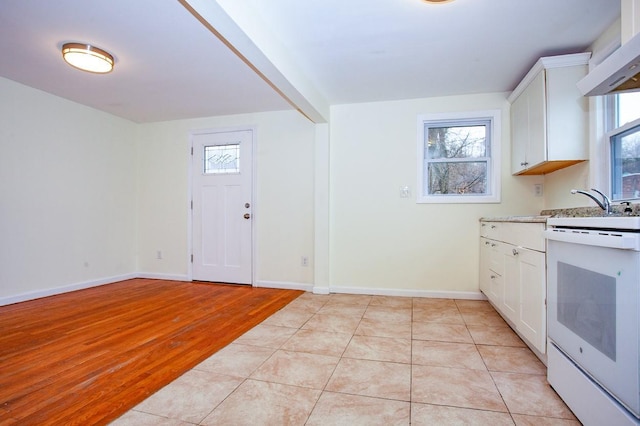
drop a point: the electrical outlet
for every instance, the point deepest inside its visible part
(405, 192)
(304, 261)
(537, 190)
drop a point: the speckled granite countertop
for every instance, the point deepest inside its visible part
(520, 219)
(591, 211)
(572, 212)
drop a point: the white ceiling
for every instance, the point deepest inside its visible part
(170, 65)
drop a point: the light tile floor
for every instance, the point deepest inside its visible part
(365, 360)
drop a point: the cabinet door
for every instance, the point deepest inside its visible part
(532, 322)
(549, 116)
(496, 288)
(496, 269)
(485, 273)
(519, 133)
(496, 258)
(511, 277)
(567, 115)
(537, 97)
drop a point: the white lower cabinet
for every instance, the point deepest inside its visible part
(513, 277)
(532, 322)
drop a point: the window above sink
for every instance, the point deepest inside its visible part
(623, 123)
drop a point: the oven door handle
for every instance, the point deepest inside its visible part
(623, 242)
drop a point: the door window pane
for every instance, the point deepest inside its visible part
(222, 159)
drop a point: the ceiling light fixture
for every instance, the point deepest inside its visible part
(87, 58)
(437, 1)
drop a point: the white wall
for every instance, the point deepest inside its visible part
(80, 206)
(93, 202)
(387, 244)
(558, 186)
(67, 202)
(283, 212)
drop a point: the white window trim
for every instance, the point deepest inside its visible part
(494, 164)
(600, 112)
(598, 143)
(609, 159)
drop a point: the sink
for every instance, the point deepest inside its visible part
(599, 222)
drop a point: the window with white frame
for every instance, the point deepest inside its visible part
(623, 123)
(459, 157)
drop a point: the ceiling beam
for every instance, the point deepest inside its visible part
(235, 26)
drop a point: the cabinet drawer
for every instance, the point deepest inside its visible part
(528, 235)
(523, 234)
(492, 230)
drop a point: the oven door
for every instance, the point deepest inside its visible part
(592, 313)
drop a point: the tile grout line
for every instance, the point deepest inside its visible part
(315, 311)
(466, 325)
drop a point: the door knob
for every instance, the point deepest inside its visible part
(247, 216)
(247, 205)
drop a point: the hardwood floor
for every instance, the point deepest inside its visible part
(88, 356)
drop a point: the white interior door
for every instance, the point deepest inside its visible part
(222, 218)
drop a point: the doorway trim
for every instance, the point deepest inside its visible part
(254, 209)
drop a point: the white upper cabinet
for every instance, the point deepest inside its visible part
(549, 116)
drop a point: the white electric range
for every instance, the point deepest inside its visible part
(593, 276)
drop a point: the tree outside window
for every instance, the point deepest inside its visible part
(459, 157)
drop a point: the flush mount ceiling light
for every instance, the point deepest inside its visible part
(87, 58)
(437, 1)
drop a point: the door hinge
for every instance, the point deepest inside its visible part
(191, 204)
(191, 150)
(191, 258)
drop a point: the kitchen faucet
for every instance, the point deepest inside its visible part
(605, 204)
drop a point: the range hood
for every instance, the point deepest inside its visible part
(620, 72)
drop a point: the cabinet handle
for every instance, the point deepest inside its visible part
(515, 252)
(524, 163)
(493, 227)
(493, 244)
(483, 225)
(486, 243)
(493, 277)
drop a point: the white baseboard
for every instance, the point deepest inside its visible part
(284, 285)
(63, 289)
(170, 277)
(467, 295)
(266, 284)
